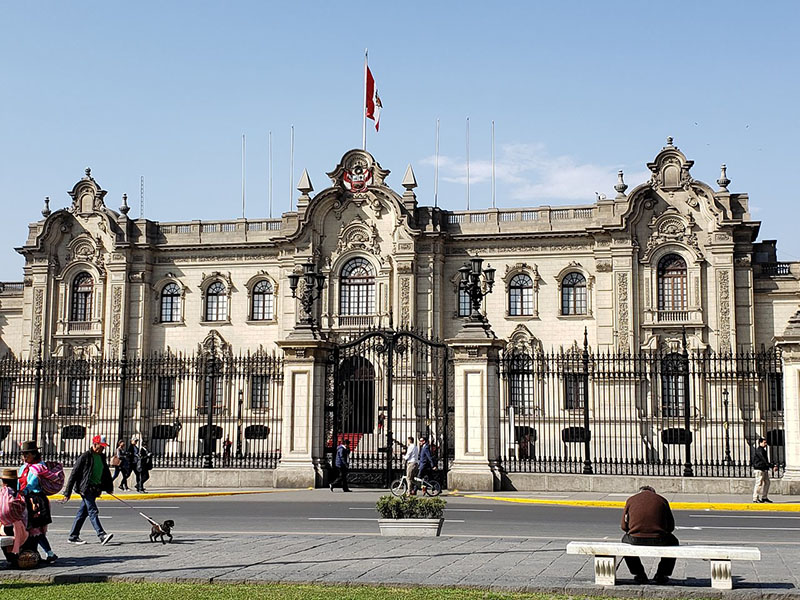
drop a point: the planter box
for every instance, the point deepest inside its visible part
(411, 527)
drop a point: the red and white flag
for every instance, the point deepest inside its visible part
(374, 105)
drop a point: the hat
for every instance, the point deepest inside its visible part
(9, 474)
(100, 439)
(28, 447)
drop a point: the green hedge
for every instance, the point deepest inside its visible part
(410, 507)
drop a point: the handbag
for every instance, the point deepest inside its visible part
(115, 461)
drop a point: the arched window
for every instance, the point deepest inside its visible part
(464, 304)
(263, 308)
(171, 303)
(672, 283)
(573, 294)
(520, 295)
(216, 302)
(82, 298)
(357, 296)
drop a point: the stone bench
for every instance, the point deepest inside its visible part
(606, 553)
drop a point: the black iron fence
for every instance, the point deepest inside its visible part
(673, 414)
(204, 410)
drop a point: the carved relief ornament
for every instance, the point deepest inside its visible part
(672, 226)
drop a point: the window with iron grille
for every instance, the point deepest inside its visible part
(464, 304)
(673, 380)
(259, 392)
(216, 302)
(672, 283)
(6, 393)
(573, 294)
(78, 399)
(81, 309)
(263, 301)
(357, 295)
(574, 397)
(171, 303)
(775, 392)
(209, 391)
(521, 383)
(520, 295)
(166, 392)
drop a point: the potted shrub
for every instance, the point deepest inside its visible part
(410, 515)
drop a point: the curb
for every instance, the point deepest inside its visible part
(160, 495)
(723, 506)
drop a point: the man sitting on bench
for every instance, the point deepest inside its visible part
(647, 521)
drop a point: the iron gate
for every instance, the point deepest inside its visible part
(383, 387)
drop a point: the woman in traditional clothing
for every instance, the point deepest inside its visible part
(13, 518)
(31, 475)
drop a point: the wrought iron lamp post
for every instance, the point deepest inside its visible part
(239, 426)
(726, 425)
(471, 284)
(312, 283)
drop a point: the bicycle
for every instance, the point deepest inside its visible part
(429, 487)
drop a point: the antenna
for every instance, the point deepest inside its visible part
(291, 169)
(243, 174)
(467, 163)
(141, 197)
(436, 170)
(493, 179)
(270, 174)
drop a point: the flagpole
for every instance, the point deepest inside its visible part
(467, 163)
(493, 179)
(436, 170)
(270, 174)
(291, 168)
(243, 175)
(364, 106)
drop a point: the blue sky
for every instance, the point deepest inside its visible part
(578, 90)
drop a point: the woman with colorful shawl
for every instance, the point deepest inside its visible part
(13, 516)
(32, 475)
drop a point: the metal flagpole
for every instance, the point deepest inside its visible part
(243, 174)
(493, 179)
(467, 163)
(364, 122)
(436, 170)
(270, 174)
(291, 168)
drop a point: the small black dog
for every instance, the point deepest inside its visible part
(162, 530)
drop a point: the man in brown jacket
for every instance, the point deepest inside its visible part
(647, 521)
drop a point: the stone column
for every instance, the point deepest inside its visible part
(789, 343)
(477, 412)
(302, 431)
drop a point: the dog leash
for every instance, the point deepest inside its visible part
(152, 522)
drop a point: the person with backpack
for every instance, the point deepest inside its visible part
(90, 477)
(30, 476)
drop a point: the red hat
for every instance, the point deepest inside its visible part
(100, 439)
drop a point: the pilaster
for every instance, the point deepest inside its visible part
(789, 343)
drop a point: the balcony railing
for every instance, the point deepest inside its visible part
(776, 268)
(11, 288)
(356, 321)
(672, 316)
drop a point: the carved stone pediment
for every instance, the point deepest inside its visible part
(672, 226)
(522, 341)
(215, 344)
(359, 235)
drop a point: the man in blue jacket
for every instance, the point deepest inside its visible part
(342, 463)
(425, 459)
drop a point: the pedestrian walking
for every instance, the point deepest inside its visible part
(13, 520)
(144, 467)
(90, 477)
(342, 464)
(762, 466)
(226, 451)
(30, 475)
(647, 521)
(121, 464)
(134, 458)
(412, 464)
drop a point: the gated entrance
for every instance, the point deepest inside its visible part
(381, 388)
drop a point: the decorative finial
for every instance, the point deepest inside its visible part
(409, 179)
(723, 180)
(669, 140)
(46, 210)
(304, 185)
(124, 208)
(88, 172)
(621, 185)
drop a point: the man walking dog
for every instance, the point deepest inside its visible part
(90, 477)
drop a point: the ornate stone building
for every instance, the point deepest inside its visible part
(673, 256)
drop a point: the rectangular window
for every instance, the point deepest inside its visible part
(574, 397)
(78, 401)
(672, 395)
(166, 393)
(464, 304)
(775, 392)
(210, 394)
(259, 392)
(6, 393)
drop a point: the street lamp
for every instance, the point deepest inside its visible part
(239, 426)
(312, 283)
(726, 426)
(471, 284)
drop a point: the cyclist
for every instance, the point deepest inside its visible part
(425, 459)
(412, 461)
